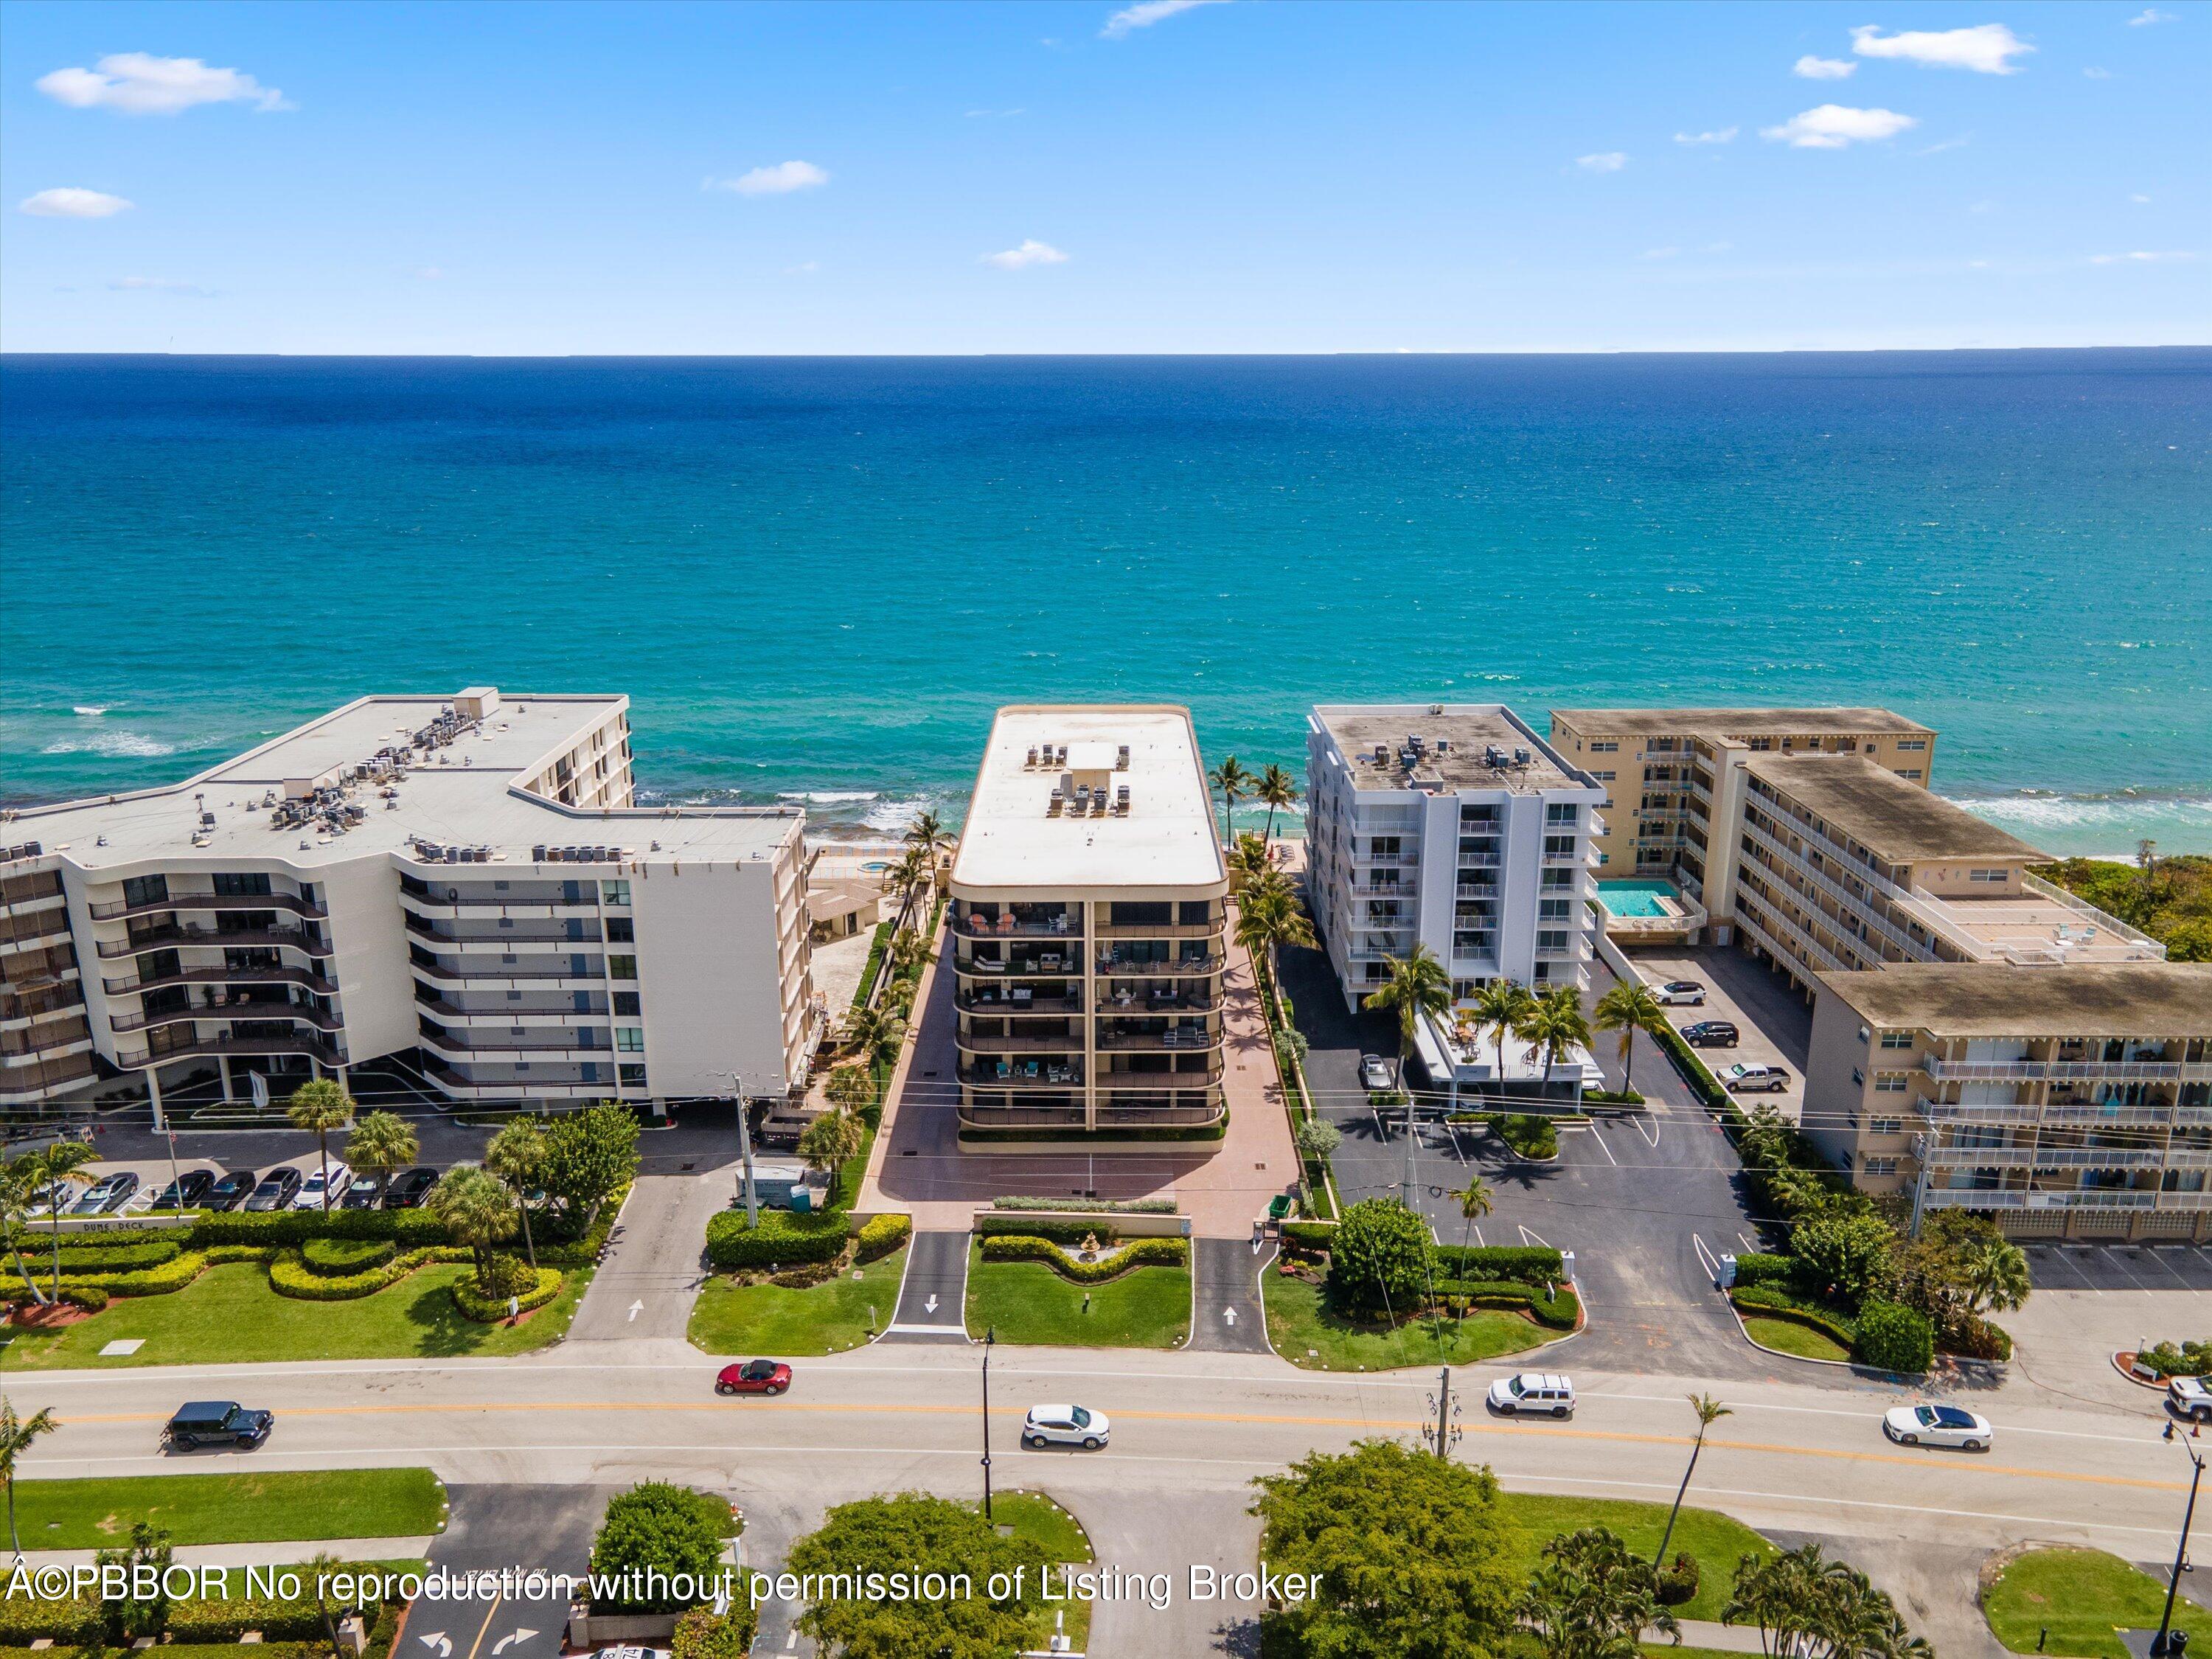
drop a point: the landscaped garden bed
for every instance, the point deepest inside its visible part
(1030, 1291)
(2072, 1603)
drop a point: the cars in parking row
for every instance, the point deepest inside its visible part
(283, 1188)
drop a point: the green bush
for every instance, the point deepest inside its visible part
(1848, 1250)
(1382, 1256)
(1766, 1299)
(782, 1239)
(1755, 1267)
(1061, 1232)
(658, 1526)
(1137, 1253)
(702, 1633)
(2170, 1359)
(170, 1276)
(880, 1236)
(1894, 1338)
(505, 1274)
(1970, 1337)
(341, 1258)
(27, 1619)
(1530, 1264)
(407, 1228)
(289, 1275)
(1121, 1205)
(72, 1296)
(491, 1310)
(1312, 1236)
(96, 1254)
(227, 1620)
(1693, 1071)
(1679, 1583)
(220, 1255)
(1527, 1134)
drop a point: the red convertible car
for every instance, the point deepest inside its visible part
(754, 1376)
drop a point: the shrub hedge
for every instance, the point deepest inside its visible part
(341, 1258)
(1777, 1304)
(491, 1310)
(289, 1275)
(882, 1234)
(782, 1239)
(1137, 1253)
(26, 1618)
(1033, 1226)
(1894, 1338)
(1756, 1268)
(98, 1255)
(173, 1274)
(1308, 1234)
(1123, 1206)
(1974, 1338)
(1559, 1313)
(1694, 1072)
(1679, 1583)
(409, 1228)
(1529, 1264)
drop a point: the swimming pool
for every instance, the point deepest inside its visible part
(1638, 898)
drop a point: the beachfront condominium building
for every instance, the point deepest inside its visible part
(2073, 1101)
(460, 887)
(1087, 914)
(1453, 825)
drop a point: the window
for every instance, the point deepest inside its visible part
(500, 886)
(1554, 879)
(145, 889)
(1551, 938)
(621, 930)
(1382, 846)
(614, 892)
(1909, 742)
(1887, 1125)
(1987, 875)
(1606, 746)
(1881, 1166)
(1555, 909)
(626, 1002)
(1897, 1039)
(1858, 1077)
(1889, 1083)
(1195, 913)
(1558, 847)
(633, 1077)
(241, 886)
(1604, 777)
(630, 1039)
(622, 967)
(1760, 744)
(1910, 774)
(1561, 812)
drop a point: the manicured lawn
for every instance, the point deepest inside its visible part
(769, 1319)
(1039, 1521)
(1787, 1336)
(2080, 1596)
(1717, 1541)
(1028, 1302)
(1299, 1319)
(231, 1509)
(229, 1314)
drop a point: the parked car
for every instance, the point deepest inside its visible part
(407, 1191)
(1065, 1426)
(1681, 993)
(333, 1178)
(2192, 1396)
(230, 1192)
(754, 1376)
(1375, 1071)
(1743, 1079)
(217, 1423)
(1936, 1425)
(187, 1192)
(364, 1192)
(626, 1651)
(1547, 1392)
(109, 1192)
(1712, 1034)
(277, 1189)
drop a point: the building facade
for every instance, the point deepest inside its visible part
(1453, 825)
(460, 887)
(2060, 1101)
(1087, 924)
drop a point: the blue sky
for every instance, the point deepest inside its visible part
(1225, 177)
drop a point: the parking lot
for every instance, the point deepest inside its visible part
(2092, 1300)
(1775, 1026)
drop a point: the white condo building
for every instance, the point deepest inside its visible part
(458, 885)
(1453, 824)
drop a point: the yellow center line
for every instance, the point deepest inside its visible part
(1263, 1420)
(490, 1613)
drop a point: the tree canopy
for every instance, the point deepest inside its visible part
(590, 1155)
(658, 1525)
(1381, 1255)
(914, 1532)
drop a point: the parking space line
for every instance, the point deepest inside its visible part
(2125, 1273)
(2159, 1256)
(1653, 1137)
(1478, 1237)
(1748, 1242)
(1528, 1237)
(1706, 1257)
(1603, 1147)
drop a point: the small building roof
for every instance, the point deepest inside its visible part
(1897, 821)
(1737, 722)
(1991, 999)
(1456, 741)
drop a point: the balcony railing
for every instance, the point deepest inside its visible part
(2046, 1158)
(273, 973)
(1016, 928)
(1158, 1042)
(1158, 1003)
(1022, 1074)
(291, 938)
(1059, 1043)
(302, 1043)
(290, 903)
(142, 1020)
(2034, 1070)
(2072, 1198)
(1167, 929)
(1211, 1075)
(1002, 999)
(1187, 967)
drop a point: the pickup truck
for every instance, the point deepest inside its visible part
(2192, 1396)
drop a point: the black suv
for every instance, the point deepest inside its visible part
(277, 1189)
(216, 1423)
(187, 1192)
(407, 1191)
(1711, 1034)
(230, 1192)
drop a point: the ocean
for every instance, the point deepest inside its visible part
(816, 578)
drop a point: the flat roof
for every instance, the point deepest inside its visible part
(1466, 731)
(1896, 820)
(1969, 999)
(1737, 722)
(465, 793)
(1011, 839)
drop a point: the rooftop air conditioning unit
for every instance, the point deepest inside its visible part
(1520, 757)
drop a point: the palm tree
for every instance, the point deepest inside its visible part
(320, 1106)
(1995, 1274)
(478, 1212)
(1249, 860)
(1498, 1008)
(850, 1088)
(1277, 789)
(1232, 780)
(16, 1434)
(1807, 1606)
(1592, 1598)
(1710, 1411)
(53, 1168)
(909, 951)
(876, 1033)
(1415, 984)
(382, 1143)
(1267, 918)
(829, 1140)
(19, 1197)
(514, 1155)
(1553, 1027)
(1630, 1008)
(908, 876)
(928, 835)
(319, 1570)
(1474, 1205)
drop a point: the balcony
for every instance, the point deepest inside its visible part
(1188, 968)
(1158, 1042)
(1058, 1043)
(483, 971)
(464, 935)
(1158, 1002)
(1049, 965)
(34, 1081)
(2024, 1112)
(507, 1048)
(290, 903)
(292, 1011)
(1014, 999)
(2046, 1158)
(2055, 1071)
(1014, 927)
(288, 938)
(274, 973)
(462, 1087)
(1163, 929)
(300, 1043)
(1476, 890)
(1021, 1075)
(1150, 1080)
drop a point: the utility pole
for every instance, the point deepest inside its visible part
(990, 1340)
(2164, 1643)
(1408, 1093)
(745, 1151)
(1444, 1413)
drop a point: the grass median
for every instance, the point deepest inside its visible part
(229, 1314)
(1715, 1541)
(1306, 1331)
(1788, 1336)
(1059, 1537)
(842, 1313)
(2075, 1602)
(264, 1507)
(1028, 1302)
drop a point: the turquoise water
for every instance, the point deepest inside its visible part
(2013, 547)
(1636, 898)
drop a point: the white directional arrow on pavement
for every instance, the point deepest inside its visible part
(522, 1633)
(930, 1306)
(436, 1641)
(1230, 1314)
(636, 1309)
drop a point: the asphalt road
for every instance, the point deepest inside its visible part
(494, 1527)
(1227, 1316)
(933, 1304)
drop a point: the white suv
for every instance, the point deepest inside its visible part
(1065, 1425)
(1533, 1391)
(2192, 1396)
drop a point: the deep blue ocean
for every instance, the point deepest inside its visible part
(817, 577)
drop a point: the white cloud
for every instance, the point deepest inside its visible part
(1660, 254)
(1832, 126)
(2139, 258)
(1718, 135)
(2139, 200)
(1986, 49)
(1717, 247)
(139, 84)
(1031, 252)
(781, 180)
(1959, 142)
(1824, 68)
(159, 285)
(2096, 74)
(429, 273)
(1611, 160)
(69, 203)
(2148, 15)
(1146, 12)
(804, 268)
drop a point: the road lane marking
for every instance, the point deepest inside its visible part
(1603, 1147)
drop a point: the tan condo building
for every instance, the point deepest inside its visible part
(1089, 899)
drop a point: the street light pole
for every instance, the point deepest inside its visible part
(745, 1147)
(2162, 1644)
(990, 1340)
